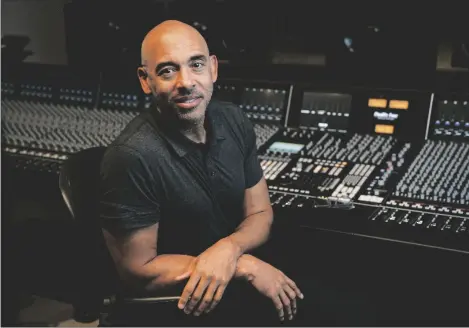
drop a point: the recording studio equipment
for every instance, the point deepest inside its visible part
(379, 163)
(42, 124)
(374, 163)
(333, 154)
(451, 118)
(265, 103)
(44, 121)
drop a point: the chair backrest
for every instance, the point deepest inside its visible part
(79, 182)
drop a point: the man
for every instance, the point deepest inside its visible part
(184, 199)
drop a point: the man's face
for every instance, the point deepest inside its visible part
(180, 76)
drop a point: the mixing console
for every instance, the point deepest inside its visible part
(451, 118)
(326, 111)
(265, 104)
(262, 102)
(375, 163)
(439, 174)
(422, 220)
(226, 92)
(372, 178)
(43, 124)
(325, 164)
(51, 132)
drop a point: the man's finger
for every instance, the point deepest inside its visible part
(208, 297)
(197, 295)
(292, 284)
(188, 290)
(217, 297)
(289, 291)
(279, 306)
(286, 303)
(183, 276)
(292, 295)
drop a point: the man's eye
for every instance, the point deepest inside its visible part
(198, 65)
(166, 71)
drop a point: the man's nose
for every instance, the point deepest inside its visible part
(185, 79)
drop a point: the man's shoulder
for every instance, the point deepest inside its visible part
(227, 111)
(138, 138)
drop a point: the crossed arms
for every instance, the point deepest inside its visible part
(208, 274)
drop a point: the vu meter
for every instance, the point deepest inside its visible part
(325, 111)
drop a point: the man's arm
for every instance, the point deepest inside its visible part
(138, 263)
(219, 263)
(129, 218)
(258, 217)
(258, 214)
(141, 268)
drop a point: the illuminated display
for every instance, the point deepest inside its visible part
(377, 103)
(384, 128)
(451, 118)
(399, 104)
(325, 111)
(286, 147)
(385, 116)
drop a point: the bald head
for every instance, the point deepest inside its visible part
(178, 70)
(167, 34)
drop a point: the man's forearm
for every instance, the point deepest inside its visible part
(161, 272)
(246, 268)
(252, 232)
(165, 271)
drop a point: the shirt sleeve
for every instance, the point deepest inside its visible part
(252, 168)
(128, 197)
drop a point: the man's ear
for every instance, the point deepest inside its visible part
(143, 78)
(214, 67)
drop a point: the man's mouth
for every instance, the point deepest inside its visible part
(187, 102)
(186, 99)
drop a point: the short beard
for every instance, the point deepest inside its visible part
(182, 121)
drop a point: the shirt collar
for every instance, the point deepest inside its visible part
(181, 144)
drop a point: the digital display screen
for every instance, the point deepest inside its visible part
(325, 111)
(388, 113)
(285, 147)
(391, 112)
(383, 103)
(377, 103)
(384, 129)
(399, 104)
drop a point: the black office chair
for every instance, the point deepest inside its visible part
(79, 184)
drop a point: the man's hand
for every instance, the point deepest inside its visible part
(272, 283)
(209, 275)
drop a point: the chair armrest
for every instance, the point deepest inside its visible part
(159, 299)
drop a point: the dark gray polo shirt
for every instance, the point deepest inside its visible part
(151, 174)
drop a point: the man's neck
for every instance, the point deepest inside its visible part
(194, 132)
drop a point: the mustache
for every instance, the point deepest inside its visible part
(185, 97)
